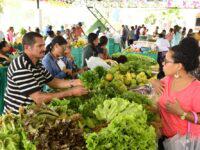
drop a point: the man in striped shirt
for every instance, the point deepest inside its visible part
(26, 77)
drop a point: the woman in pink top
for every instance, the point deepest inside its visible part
(180, 90)
(11, 35)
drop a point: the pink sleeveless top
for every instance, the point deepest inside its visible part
(189, 99)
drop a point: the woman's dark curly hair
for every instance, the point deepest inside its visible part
(187, 53)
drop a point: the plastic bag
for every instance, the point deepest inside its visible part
(175, 142)
(178, 142)
(93, 62)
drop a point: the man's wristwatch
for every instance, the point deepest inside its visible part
(183, 116)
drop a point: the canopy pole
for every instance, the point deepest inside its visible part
(39, 15)
(38, 4)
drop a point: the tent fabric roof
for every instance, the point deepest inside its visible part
(135, 3)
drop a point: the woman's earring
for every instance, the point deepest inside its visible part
(177, 75)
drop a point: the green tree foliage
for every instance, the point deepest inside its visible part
(1, 6)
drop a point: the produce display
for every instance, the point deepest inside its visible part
(131, 49)
(13, 135)
(45, 127)
(127, 129)
(111, 116)
(53, 128)
(152, 52)
(139, 50)
(79, 43)
(137, 57)
(124, 132)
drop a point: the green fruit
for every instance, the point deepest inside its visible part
(123, 68)
(144, 80)
(141, 78)
(109, 77)
(142, 74)
(133, 75)
(122, 88)
(119, 77)
(127, 81)
(133, 83)
(138, 78)
(119, 85)
(114, 69)
(128, 76)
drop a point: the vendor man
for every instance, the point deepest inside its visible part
(26, 77)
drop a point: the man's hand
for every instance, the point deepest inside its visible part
(39, 97)
(67, 71)
(158, 86)
(63, 84)
(79, 91)
(76, 82)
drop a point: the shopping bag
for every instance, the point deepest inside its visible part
(93, 62)
(179, 142)
(169, 144)
(185, 142)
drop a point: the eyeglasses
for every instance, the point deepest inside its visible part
(167, 61)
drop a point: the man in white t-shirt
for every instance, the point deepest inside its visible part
(162, 46)
(49, 38)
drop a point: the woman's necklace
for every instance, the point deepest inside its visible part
(183, 86)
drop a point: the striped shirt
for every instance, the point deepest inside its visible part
(24, 78)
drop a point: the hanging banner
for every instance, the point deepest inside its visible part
(190, 4)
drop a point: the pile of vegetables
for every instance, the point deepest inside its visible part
(144, 60)
(52, 129)
(92, 78)
(120, 78)
(42, 128)
(152, 51)
(111, 116)
(13, 135)
(127, 128)
(133, 49)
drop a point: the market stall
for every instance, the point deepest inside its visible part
(112, 112)
(3, 83)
